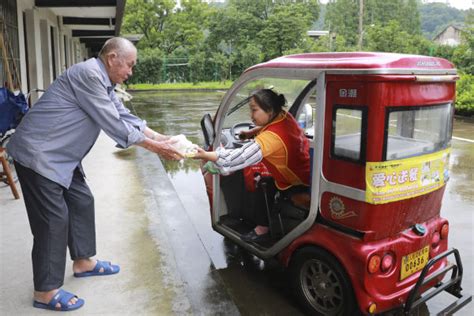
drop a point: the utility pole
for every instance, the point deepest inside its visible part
(361, 23)
(330, 29)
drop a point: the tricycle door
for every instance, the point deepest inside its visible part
(239, 198)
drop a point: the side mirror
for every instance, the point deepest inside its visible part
(207, 127)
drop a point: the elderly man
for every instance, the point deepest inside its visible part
(48, 147)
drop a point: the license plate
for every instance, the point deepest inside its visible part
(414, 262)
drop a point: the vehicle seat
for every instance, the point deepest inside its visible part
(293, 207)
(302, 200)
(271, 208)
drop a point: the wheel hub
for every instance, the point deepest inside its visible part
(321, 287)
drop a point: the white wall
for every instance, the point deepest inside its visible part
(38, 37)
(21, 7)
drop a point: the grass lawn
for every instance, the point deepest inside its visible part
(214, 85)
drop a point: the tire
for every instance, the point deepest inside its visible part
(320, 283)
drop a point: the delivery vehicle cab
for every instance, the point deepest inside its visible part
(369, 238)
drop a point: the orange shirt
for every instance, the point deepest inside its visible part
(285, 151)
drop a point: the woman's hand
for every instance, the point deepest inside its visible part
(248, 134)
(245, 135)
(205, 155)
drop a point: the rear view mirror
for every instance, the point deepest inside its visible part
(207, 127)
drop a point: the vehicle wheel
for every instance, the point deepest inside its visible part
(320, 283)
(9, 159)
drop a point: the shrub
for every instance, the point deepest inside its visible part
(465, 95)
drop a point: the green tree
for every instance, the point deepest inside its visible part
(245, 26)
(409, 17)
(465, 95)
(263, 9)
(392, 38)
(231, 29)
(342, 20)
(463, 55)
(249, 56)
(382, 12)
(223, 65)
(284, 30)
(185, 27)
(149, 66)
(436, 16)
(197, 64)
(147, 17)
(342, 17)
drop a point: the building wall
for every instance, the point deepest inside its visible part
(451, 36)
(42, 36)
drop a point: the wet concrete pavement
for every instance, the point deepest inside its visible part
(172, 262)
(149, 282)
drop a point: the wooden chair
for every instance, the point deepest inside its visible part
(8, 173)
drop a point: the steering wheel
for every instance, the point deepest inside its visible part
(237, 128)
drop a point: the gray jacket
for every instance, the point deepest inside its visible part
(61, 128)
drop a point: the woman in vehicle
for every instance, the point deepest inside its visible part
(278, 142)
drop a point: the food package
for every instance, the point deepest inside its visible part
(184, 146)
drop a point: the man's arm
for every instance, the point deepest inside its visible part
(155, 135)
(94, 100)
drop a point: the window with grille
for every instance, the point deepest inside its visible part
(10, 52)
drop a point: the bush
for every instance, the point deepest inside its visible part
(149, 66)
(465, 95)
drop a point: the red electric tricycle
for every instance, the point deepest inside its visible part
(369, 238)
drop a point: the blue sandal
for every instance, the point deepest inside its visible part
(107, 267)
(62, 297)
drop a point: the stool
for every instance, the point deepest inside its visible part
(8, 173)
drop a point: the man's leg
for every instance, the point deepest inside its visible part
(82, 245)
(48, 217)
(80, 202)
(82, 241)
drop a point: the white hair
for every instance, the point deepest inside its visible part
(121, 46)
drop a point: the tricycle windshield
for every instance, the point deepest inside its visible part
(419, 130)
(238, 110)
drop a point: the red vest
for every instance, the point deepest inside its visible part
(297, 149)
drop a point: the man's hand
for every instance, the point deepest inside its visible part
(166, 150)
(163, 148)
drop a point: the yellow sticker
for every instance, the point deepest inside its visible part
(395, 180)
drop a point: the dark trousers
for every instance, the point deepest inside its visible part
(265, 199)
(59, 218)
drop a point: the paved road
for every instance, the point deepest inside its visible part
(158, 228)
(259, 288)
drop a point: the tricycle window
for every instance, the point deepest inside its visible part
(348, 129)
(419, 130)
(238, 111)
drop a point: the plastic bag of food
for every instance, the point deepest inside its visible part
(184, 146)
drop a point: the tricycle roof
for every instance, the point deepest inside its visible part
(360, 61)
